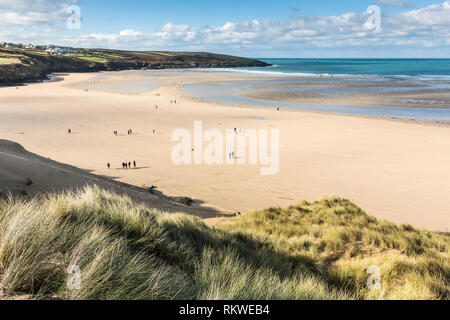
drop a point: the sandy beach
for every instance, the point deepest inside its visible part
(393, 170)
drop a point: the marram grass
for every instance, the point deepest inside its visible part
(336, 240)
(127, 251)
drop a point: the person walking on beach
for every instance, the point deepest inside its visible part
(134, 163)
(129, 165)
(69, 131)
(109, 165)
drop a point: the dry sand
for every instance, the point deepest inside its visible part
(25, 174)
(394, 170)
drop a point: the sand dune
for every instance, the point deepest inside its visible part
(23, 173)
(394, 170)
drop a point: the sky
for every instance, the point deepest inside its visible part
(260, 29)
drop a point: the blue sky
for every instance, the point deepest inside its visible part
(283, 28)
(145, 15)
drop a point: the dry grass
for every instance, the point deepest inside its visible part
(336, 240)
(127, 251)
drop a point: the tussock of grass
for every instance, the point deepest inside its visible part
(127, 251)
(335, 239)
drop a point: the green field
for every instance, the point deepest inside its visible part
(7, 60)
(94, 59)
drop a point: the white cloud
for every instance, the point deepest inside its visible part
(425, 27)
(434, 15)
(130, 32)
(33, 20)
(25, 12)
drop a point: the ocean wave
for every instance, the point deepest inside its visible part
(269, 72)
(275, 73)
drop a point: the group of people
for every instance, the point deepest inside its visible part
(128, 165)
(116, 133)
(125, 165)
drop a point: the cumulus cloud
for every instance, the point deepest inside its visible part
(31, 20)
(424, 27)
(130, 33)
(36, 12)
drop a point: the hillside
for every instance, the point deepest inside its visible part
(23, 65)
(23, 173)
(127, 251)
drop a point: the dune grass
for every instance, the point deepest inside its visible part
(335, 239)
(128, 251)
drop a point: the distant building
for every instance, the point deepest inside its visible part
(11, 45)
(58, 50)
(29, 46)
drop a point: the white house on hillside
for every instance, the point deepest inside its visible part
(58, 50)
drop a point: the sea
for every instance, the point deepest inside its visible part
(439, 68)
(336, 78)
